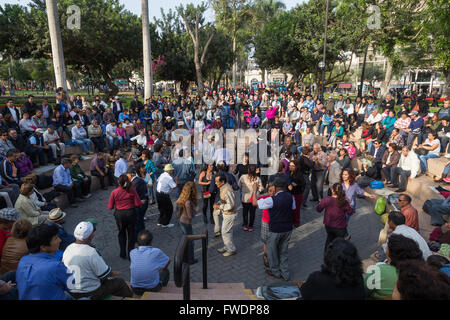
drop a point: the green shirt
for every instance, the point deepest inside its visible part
(77, 173)
(387, 276)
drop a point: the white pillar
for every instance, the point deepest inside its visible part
(57, 48)
(148, 67)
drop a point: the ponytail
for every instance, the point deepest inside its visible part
(341, 196)
(125, 183)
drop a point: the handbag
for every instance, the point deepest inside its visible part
(421, 151)
(206, 195)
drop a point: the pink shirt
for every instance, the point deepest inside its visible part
(265, 214)
(351, 152)
(270, 113)
(121, 132)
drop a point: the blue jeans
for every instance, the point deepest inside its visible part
(84, 143)
(423, 161)
(322, 128)
(140, 215)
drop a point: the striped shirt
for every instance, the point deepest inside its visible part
(145, 265)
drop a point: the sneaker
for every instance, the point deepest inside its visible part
(88, 195)
(171, 225)
(217, 234)
(245, 228)
(229, 253)
(250, 229)
(222, 250)
(447, 179)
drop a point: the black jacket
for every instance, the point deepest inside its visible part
(380, 153)
(31, 108)
(6, 111)
(141, 188)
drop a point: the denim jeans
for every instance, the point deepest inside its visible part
(84, 143)
(140, 215)
(423, 161)
(322, 128)
(317, 180)
(277, 253)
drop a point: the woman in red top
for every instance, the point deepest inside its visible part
(336, 207)
(125, 199)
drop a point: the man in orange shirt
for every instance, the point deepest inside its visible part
(410, 213)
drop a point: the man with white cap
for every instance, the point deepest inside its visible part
(38, 148)
(92, 276)
(52, 139)
(164, 185)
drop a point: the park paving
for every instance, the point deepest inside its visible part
(306, 247)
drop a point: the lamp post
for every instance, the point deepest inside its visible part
(323, 63)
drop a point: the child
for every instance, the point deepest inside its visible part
(135, 152)
(352, 150)
(122, 135)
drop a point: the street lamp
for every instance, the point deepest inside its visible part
(322, 67)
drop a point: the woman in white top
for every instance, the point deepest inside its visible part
(360, 112)
(246, 183)
(433, 145)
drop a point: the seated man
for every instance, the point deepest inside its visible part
(149, 266)
(8, 217)
(99, 169)
(112, 136)
(410, 213)
(8, 170)
(80, 178)
(408, 168)
(41, 275)
(52, 139)
(95, 279)
(79, 137)
(37, 148)
(62, 181)
(56, 217)
(96, 135)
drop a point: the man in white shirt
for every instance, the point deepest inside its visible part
(120, 166)
(374, 117)
(408, 167)
(52, 139)
(396, 222)
(79, 137)
(164, 185)
(111, 135)
(91, 275)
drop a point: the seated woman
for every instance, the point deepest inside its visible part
(344, 159)
(341, 277)
(16, 246)
(399, 248)
(433, 146)
(24, 165)
(336, 133)
(38, 198)
(27, 208)
(368, 173)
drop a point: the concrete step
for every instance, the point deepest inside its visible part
(150, 296)
(212, 286)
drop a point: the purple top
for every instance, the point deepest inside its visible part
(24, 166)
(121, 132)
(334, 216)
(97, 162)
(352, 192)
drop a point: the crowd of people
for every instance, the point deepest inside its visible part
(137, 151)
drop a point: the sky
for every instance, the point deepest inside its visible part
(156, 5)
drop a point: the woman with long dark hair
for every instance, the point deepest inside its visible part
(337, 208)
(205, 180)
(187, 208)
(341, 277)
(246, 183)
(125, 199)
(296, 187)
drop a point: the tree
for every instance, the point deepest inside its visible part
(13, 36)
(234, 18)
(148, 74)
(435, 37)
(174, 44)
(194, 23)
(107, 38)
(293, 41)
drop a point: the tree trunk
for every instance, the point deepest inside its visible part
(148, 67)
(57, 48)
(446, 89)
(113, 89)
(387, 80)
(263, 75)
